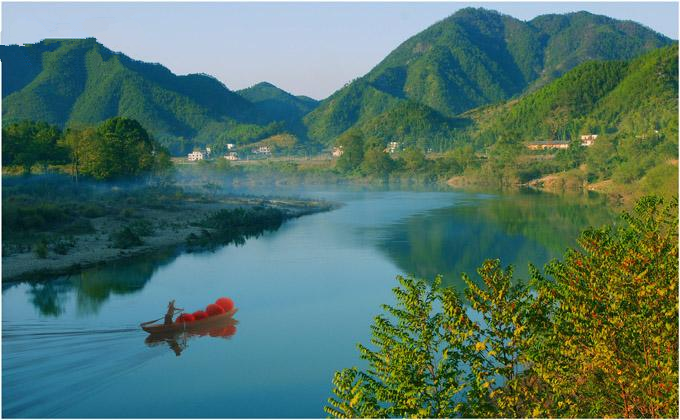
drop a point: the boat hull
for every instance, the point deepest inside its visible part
(203, 324)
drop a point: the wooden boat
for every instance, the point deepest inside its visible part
(205, 324)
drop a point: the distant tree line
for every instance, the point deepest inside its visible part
(117, 148)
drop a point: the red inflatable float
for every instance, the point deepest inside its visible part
(213, 310)
(221, 306)
(199, 315)
(184, 318)
(226, 303)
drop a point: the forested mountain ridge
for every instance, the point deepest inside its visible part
(76, 82)
(276, 104)
(477, 57)
(415, 95)
(604, 97)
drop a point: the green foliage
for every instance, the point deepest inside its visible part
(27, 143)
(376, 162)
(352, 144)
(40, 249)
(118, 148)
(598, 338)
(631, 106)
(279, 105)
(235, 226)
(126, 238)
(611, 348)
(408, 374)
(414, 159)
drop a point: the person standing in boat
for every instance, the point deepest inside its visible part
(171, 312)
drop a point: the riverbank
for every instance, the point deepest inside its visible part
(163, 227)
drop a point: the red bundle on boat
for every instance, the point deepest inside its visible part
(213, 310)
(226, 303)
(199, 315)
(185, 318)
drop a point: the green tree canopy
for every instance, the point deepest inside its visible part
(595, 337)
(119, 148)
(27, 143)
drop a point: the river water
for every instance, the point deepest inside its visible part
(306, 294)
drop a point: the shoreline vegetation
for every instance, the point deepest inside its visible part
(592, 335)
(52, 227)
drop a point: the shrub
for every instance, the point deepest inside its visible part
(126, 238)
(40, 249)
(63, 245)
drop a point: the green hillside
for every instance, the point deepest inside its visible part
(631, 105)
(414, 125)
(278, 105)
(604, 97)
(77, 82)
(477, 57)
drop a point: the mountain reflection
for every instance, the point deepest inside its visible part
(518, 229)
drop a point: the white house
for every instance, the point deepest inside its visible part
(588, 139)
(337, 151)
(262, 150)
(231, 156)
(194, 156)
(230, 146)
(392, 147)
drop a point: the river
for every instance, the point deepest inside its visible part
(306, 294)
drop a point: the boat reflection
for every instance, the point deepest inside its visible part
(178, 341)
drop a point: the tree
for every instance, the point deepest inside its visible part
(352, 145)
(119, 148)
(440, 363)
(76, 141)
(611, 348)
(408, 373)
(377, 162)
(414, 159)
(28, 143)
(597, 338)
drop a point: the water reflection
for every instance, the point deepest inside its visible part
(518, 229)
(178, 341)
(92, 287)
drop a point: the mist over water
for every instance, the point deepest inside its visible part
(306, 294)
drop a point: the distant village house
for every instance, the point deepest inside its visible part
(231, 156)
(550, 144)
(262, 150)
(391, 147)
(230, 146)
(337, 151)
(588, 140)
(195, 155)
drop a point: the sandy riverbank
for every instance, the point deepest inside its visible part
(171, 226)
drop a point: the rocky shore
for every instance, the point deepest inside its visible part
(170, 228)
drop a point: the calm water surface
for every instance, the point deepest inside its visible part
(306, 295)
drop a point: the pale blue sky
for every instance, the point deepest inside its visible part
(306, 48)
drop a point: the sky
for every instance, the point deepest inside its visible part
(308, 49)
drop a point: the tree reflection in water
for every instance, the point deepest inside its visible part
(518, 229)
(92, 287)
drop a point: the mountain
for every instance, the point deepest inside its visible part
(607, 97)
(477, 57)
(75, 82)
(278, 105)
